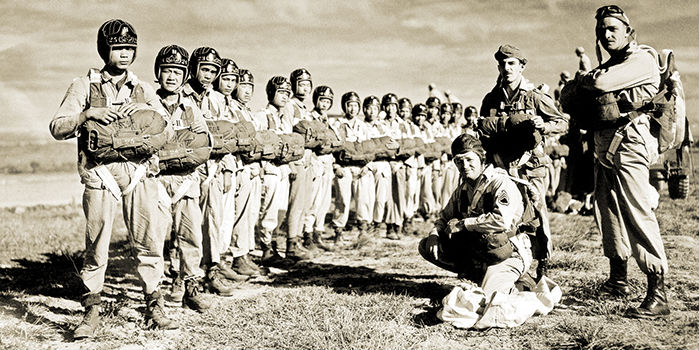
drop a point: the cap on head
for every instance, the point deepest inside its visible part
(404, 101)
(203, 55)
(579, 50)
(323, 91)
(245, 77)
(275, 84)
(298, 75)
(457, 107)
(171, 56)
(228, 67)
(433, 101)
(371, 100)
(115, 32)
(465, 143)
(508, 51)
(446, 108)
(348, 97)
(419, 110)
(612, 11)
(565, 75)
(388, 99)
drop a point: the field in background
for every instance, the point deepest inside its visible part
(382, 296)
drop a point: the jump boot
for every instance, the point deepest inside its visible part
(392, 232)
(91, 319)
(270, 257)
(308, 241)
(216, 282)
(363, 237)
(318, 241)
(241, 267)
(192, 298)
(617, 284)
(295, 250)
(155, 313)
(231, 274)
(542, 268)
(655, 303)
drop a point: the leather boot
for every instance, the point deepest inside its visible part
(338, 235)
(251, 264)
(192, 296)
(155, 313)
(241, 267)
(617, 284)
(308, 241)
(231, 274)
(655, 303)
(295, 250)
(270, 257)
(318, 241)
(542, 268)
(91, 319)
(363, 237)
(216, 282)
(392, 232)
(176, 290)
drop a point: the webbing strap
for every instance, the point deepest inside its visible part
(108, 181)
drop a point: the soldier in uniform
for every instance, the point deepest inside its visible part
(106, 95)
(623, 208)
(517, 103)
(323, 163)
(216, 174)
(397, 129)
(476, 232)
(412, 191)
(180, 191)
(426, 204)
(377, 198)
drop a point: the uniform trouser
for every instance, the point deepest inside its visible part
(500, 277)
(451, 182)
(184, 220)
(623, 205)
(247, 201)
(398, 200)
(382, 188)
(412, 201)
(229, 216)
(321, 196)
(141, 217)
(212, 207)
(427, 201)
(300, 196)
(275, 200)
(437, 185)
(343, 195)
(363, 191)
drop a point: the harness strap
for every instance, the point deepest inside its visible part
(138, 174)
(108, 181)
(211, 172)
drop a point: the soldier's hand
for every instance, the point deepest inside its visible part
(227, 181)
(455, 225)
(131, 108)
(538, 122)
(432, 245)
(102, 115)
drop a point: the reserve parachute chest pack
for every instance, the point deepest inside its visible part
(318, 136)
(230, 138)
(189, 149)
(134, 137)
(266, 145)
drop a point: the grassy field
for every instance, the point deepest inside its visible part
(382, 296)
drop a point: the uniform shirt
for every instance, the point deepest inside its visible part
(534, 101)
(273, 118)
(352, 130)
(493, 204)
(297, 110)
(375, 128)
(396, 128)
(67, 120)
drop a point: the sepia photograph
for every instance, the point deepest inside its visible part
(372, 174)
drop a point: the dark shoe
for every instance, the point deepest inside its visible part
(655, 303)
(231, 274)
(391, 232)
(308, 241)
(364, 237)
(176, 290)
(377, 227)
(617, 284)
(155, 313)
(270, 257)
(542, 269)
(251, 264)
(338, 235)
(318, 241)
(295, 250)
(192, 297)
(91, 319)
(216, 282)
(241, 267)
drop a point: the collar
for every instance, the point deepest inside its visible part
(106, 77)
(188, 90)
(298, 102)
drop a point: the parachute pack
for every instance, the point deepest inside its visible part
(231, 138)
(318, 136)
(133, 138)
(186, 152)
(355, 153)
(385, 148)
(292, 148)
(266, 145)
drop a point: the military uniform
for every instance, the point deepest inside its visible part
(321, 198)
(493, 204)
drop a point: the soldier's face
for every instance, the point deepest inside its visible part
(227, 83)
(281, 97)
(121, 56)
(392, 110)
(612, 33)
(324, 104)
(352, 109)
(171, 78)
(432, 112)
(510, 69)
(303, 88)
(206, 73)
(469, 165)
(405, 112)
(371, 112)
(244, 93)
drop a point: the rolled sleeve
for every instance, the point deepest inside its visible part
(68, 118)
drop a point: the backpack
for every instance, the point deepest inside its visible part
(185, 153)
(667, 107)
(230, 137)
(134, 138)
(292, 148)
(313, 132)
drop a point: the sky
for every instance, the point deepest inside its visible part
(371, 47)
